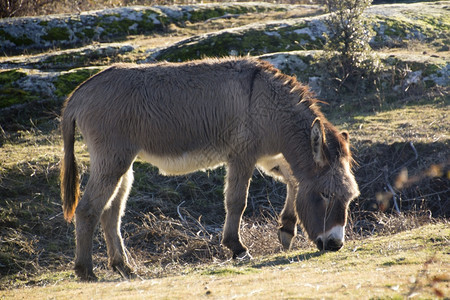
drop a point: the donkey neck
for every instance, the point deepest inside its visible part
(296, 140)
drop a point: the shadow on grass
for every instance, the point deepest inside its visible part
(35, 233)
(403, 175)
(288, 259)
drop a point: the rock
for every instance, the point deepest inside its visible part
(43, 32)
(441, 77)
(262, 38)
(269, 40)
(67, 59)
(402, 22)
(413, 78)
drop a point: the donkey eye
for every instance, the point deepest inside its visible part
(325, 198)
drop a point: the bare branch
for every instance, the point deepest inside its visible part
(389, 186)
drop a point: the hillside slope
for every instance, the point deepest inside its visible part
(399, 131)
(414, 263)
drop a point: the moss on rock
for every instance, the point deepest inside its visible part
(67, 82)
(11, 96)
(8, 77)
(393, 30)
(11, 93)
(22, 40)
(112, 24)
(245, 41)
(88, 33)
(67, 61)
(436, 22)
(57, 34)
(206, 13)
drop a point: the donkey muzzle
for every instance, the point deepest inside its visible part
(332, 240)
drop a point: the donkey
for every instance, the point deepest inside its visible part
(183, 117)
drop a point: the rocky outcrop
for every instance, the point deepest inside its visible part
(289, 35)
(392, 25)
(424, 71)
(20, 86)
(18, 34)
(53, 75)
(396, 24)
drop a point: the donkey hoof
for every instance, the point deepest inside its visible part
(243, 256)
(285, 239)
(84, 274)
(124, 270)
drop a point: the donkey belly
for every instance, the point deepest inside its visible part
(185, 163)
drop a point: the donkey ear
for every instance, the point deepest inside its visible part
(345, 135)
(317, 141)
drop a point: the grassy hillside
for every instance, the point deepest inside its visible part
(400, 135)
(409, 264)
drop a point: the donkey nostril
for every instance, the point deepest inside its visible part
(319, 244)
(334, 245)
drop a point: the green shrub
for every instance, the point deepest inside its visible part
(348, 57)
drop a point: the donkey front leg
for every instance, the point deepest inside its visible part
(111, 220)
(236, 191)
(288, 218)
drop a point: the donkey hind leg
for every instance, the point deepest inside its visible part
(236, 191)
(110, 221)
(288, 219)
(102, 187)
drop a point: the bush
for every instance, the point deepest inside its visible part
(17, 8)
(348, 56)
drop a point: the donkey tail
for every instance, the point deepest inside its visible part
(70, 187)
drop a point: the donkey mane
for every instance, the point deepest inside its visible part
(304, 94)
(336, 143)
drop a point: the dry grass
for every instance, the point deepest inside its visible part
(173, 225)
(20, 8)
(408, 264)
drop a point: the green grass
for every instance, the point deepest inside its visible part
(227, 271)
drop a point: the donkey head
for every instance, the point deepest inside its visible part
(325, 193)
